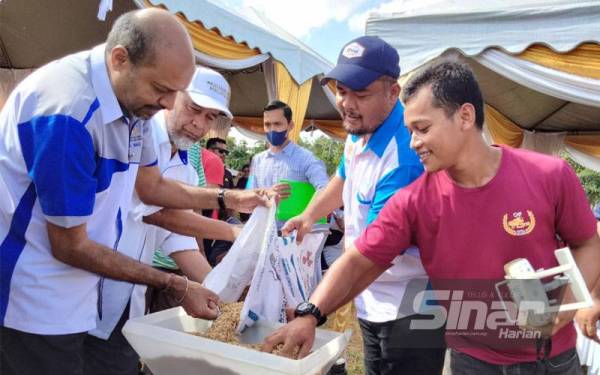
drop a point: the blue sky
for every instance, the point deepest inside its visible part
(324, 25)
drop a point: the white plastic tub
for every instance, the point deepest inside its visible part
(161, 341)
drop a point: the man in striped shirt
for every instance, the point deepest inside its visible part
(284, 159)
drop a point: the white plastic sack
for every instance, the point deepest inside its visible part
(285, 275)
(229, 278)
(301, 266)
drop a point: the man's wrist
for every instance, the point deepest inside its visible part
(311, 216)
(310, 318)
(310, 309)
(175, 284)
(221, 199)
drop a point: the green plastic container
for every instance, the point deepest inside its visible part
(300, 196)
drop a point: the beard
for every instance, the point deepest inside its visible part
(181, 142)
(359, 130)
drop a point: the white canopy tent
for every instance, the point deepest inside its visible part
(260, 60)
(537, 61)
(282, 67)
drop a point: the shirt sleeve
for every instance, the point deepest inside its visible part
(390, 183)
(176, 242)
(251, 183)
(149, 157)
(575, 220)
(341, 169)
(316, 173)
(389, 235)
(60, 158)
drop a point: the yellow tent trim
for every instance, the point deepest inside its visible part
(502, 130)
(332, 128)
(588, 144)
(211, 42)
(296, 96)
(583, 61)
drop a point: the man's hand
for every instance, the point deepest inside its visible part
(198, 301)
(302, 223)
(283, 190)
(300, 332)
(587, 319)
(246, 200)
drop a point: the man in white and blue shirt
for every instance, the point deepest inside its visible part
(72, 142)
(377, 161)
(197, 109)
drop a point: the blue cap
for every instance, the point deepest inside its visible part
(362, 61)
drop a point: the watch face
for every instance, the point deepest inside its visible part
(303, 308)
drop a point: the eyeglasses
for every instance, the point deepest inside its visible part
(221, 151)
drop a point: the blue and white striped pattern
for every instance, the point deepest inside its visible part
(68, 157)
(293, 163)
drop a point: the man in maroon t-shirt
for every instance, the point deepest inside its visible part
(477, 208)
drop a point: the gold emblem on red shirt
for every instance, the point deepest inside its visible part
(519, 225)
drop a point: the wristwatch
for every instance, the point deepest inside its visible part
(221, 199)
(307, 308)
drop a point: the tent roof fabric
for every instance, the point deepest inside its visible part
(34, 32)
(252, 27)
(424, 30)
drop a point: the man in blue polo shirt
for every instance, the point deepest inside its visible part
(73, 139)
(377, 161)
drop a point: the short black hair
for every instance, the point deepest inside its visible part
(278, 104)
(452, 84)
(129, 32)
(246, 166)
(213, 141)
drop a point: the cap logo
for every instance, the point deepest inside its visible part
(218, 89)
(353, 50)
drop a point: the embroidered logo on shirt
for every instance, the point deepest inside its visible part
(519, 225)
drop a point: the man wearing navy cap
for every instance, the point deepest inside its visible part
(377, 161)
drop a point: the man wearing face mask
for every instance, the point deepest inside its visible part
(284, 159)
(174, 247)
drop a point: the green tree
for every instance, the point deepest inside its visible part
(326, 149)
(240, 152)
(589, 179)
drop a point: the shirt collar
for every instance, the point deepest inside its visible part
(183, 155)
(287, 150)
(160, 130)
(386, 131)
(109, 105)
(162, 137)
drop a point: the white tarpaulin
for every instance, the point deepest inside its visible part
(423, 30)
(536, 98)
(569, 87)
(250, 26)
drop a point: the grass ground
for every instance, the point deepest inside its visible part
(354, 351)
